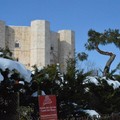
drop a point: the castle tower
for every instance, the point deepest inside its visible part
(2, 34)
(54, 47)
(66, 47)
(40, 43)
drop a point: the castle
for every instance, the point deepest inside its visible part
(37, 44)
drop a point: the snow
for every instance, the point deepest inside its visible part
(35, 94)
(92, 113)
(11, 65)
(90, 79)
(1, 53)
(115, 83)
(21, 82)
(75, 104)
(86, 89)
(38, 68)
(1, 77)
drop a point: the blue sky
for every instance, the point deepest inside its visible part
(77, 15)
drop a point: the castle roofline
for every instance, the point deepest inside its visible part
(66, 30)
(16, 26)
(37, 20)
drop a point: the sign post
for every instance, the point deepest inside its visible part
(47, 107)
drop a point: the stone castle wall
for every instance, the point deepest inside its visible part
(2, 34)
(37, 44)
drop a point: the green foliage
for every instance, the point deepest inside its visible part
(71, 68)
(45, 73)
(107, 37)
(25, 112)
(11, 78)
(67, 87)
(45, 78)
(102, 97)
(72, 92)
(113, 74)
(82, 56)
(6, 53)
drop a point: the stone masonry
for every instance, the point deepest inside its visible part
(37, 44)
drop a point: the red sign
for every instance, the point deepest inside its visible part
(47, 107)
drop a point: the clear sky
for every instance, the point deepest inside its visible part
(77, 15)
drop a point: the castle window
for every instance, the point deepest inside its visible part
(17, 45)
(17, 59)
(52, 48)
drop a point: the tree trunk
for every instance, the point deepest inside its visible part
(109, 62)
